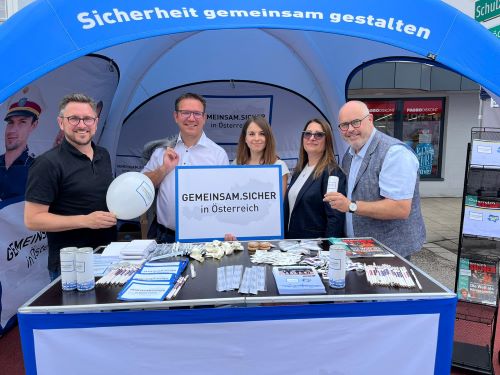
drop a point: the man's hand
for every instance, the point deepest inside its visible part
(337, 201)
(37, 217)
(170, 161)
(230, 237)
(382, 209)
(100, 219)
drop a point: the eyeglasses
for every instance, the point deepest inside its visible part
(187, 114)
(354, 123)
(75, 120)
(309, 135)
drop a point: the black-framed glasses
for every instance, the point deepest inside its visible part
(75, 120)
(187, 114)
(317, 135)
(354, 123)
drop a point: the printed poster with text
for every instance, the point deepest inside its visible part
(242, 200)
(480, 219)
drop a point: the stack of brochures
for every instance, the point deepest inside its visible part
(364, 248)
(133, 250)
(298, 280)
(153, 281)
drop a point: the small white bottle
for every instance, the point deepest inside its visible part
(333, 184)
(336, 268)
(85, 269)
(68, 270)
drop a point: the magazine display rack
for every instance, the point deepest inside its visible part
(476, 282)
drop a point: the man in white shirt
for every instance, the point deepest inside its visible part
(192, 147)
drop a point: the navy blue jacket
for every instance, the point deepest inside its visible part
(311, 217)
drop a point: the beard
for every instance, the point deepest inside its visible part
(77, 140)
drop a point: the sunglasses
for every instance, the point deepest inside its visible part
(316, 135)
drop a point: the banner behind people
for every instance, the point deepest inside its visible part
(23, 264)
(228, 107)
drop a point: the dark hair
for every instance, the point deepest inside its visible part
(190, 95)
(243, 152)
(328, 158)
(76, 98)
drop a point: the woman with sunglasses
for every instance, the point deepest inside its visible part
(256, 146)
(306, 215)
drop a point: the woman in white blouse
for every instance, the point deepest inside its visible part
(257, 146)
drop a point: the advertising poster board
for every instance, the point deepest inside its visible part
(242, 200)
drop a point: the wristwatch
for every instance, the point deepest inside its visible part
(353, 207)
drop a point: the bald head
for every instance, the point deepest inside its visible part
(354, 106)
(356, 124)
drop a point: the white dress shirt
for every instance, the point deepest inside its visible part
(205, 152)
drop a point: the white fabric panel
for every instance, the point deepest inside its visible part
(23, 269)
(404, 344)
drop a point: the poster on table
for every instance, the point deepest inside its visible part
(242, 200)
(23, 269)
(485, 153)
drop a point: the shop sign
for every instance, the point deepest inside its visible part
(486, 9)
(381, 107)
(422, 107)
(495, 30)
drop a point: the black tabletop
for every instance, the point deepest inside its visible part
(203, 286)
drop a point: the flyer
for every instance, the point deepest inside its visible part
(298, 280)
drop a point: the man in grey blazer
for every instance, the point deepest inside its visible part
(383, 198)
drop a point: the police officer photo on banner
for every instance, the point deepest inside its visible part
(242, 200)
(29, 129)
(21, 120)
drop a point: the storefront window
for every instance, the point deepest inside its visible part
(383, 115)
(418, 123)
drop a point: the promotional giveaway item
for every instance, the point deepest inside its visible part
(130, 195)
(85, 269)
(336, 268)
(333, 184)
(68, 270)
(154, 281)
(298, 280)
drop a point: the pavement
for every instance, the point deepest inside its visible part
(438, 256)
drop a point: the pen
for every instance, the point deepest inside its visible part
(183, 281)
(415, 276)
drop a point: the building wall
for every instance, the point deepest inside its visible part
(461, 115)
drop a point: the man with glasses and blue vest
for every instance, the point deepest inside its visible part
(67, 185)
(383, 198)
(190, 147)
